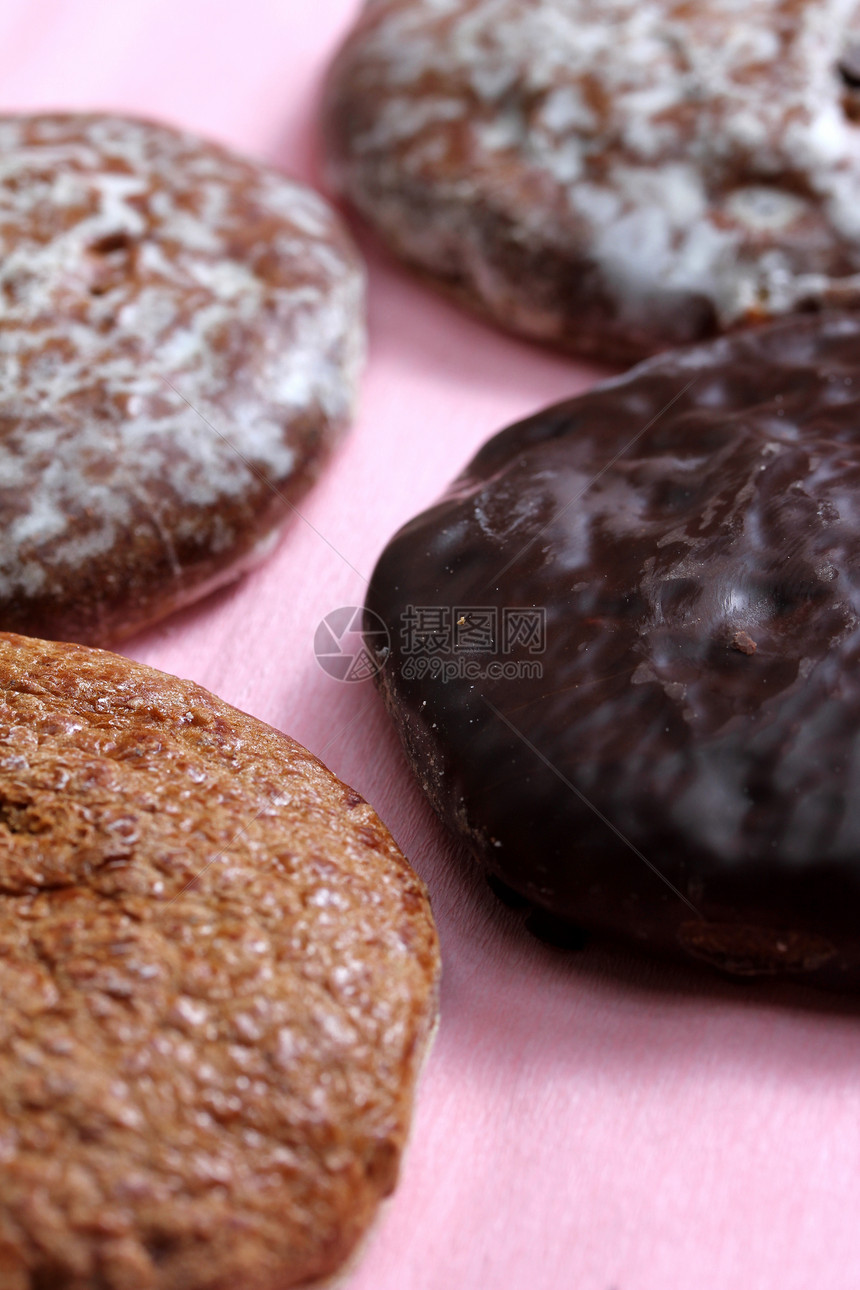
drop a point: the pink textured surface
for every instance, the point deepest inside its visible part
(585, 1121)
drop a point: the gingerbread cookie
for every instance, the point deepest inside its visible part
(625, 654)
(180, 332)
(217, 980)
(611, 176)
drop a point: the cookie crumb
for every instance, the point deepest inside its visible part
(744, 642)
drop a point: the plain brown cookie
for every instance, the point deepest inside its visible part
(180, 335)
(218, 978)
(613, 176)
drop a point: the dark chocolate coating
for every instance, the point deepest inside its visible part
(686, 771)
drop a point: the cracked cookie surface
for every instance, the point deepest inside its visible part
(217, 981)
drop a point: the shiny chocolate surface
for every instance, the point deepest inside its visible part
(625, 648)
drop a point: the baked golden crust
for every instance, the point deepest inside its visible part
(218, 977)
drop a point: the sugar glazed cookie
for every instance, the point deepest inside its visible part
(626, 654)
(609, 175)
(217, 981)
(180, 335)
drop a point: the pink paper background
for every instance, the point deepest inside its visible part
(585, 1121)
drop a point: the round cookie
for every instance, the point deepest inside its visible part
(180, 334)
(626, 651)
(610, 176)
(218, 978)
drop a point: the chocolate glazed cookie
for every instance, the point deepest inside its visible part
(626, 653)
(218, 979)
(609, 175)
(180, 335)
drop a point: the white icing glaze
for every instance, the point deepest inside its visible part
(674, 146)
(114, 360)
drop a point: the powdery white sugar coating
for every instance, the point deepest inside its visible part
(180, 338)
(610, 174)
